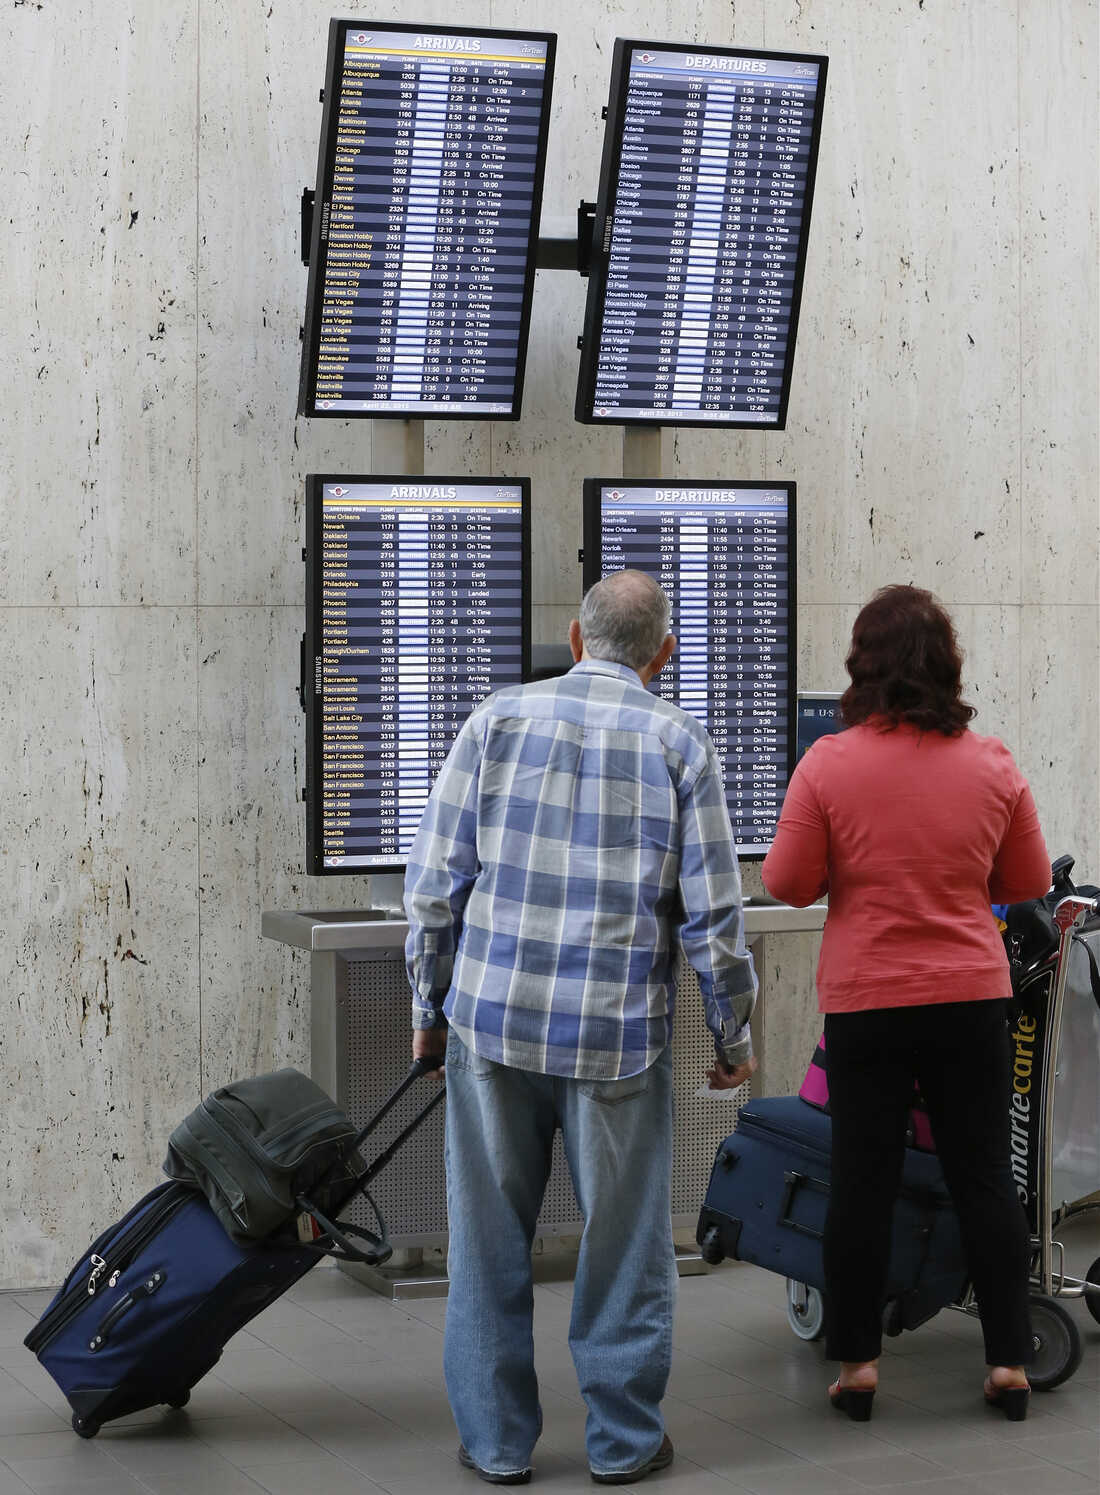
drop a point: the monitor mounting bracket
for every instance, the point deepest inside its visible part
(553, 253)
(308, 196)
(562, 251)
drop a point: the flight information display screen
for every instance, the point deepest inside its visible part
(724, 553)
(700, 236)
(429, 186)
(416, 608)
(818, 716)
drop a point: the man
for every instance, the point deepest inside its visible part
(578, 826)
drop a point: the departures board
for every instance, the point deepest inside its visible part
(724, 554)
(700, 236)
(416, 608)
(425, 221)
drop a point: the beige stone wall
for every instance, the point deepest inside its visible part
(942, 431)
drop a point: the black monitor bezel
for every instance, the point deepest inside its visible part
(815, 695)
(592, 573)
(601, 239)
(322, 202)
(312, 555)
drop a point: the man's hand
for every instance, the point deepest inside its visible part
(429, 1042)
(721, 1077)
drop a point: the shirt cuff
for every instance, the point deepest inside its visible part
(428, 1017)
(739, 1051)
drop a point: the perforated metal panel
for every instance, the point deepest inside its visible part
(373, 1041)
(702, 1122)
(411, 1191)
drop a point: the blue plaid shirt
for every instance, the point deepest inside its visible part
(578, 826)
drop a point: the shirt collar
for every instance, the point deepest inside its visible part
(607, 667)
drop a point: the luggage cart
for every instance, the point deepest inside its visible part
(1054, 952)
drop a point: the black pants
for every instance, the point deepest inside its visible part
(959, 1054)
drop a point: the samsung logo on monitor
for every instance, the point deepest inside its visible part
(450, 43)
(423, 492)
(728, 64)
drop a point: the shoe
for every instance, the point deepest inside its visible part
(516, 1477)
(850, 1399)
(660, 1460)
(1012, 1400)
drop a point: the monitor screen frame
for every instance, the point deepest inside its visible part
(322, 202)
(805, 697)
(311, 700)
(584, 409)
(592, 572)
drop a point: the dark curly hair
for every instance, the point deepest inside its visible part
(905, 664)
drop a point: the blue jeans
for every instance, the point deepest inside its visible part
(618, 1143)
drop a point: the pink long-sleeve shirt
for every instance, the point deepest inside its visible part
(912, 835)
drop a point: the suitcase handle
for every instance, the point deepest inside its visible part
(418, 1067)
(792, 1182)
(383, 1158)
(146, 1289)
(339, 1230)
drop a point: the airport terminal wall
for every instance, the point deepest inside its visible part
(941, 431)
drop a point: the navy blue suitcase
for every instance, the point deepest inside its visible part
(145, 1312)
(148, 1308)
(769, 1192)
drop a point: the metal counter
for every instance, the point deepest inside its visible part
(360, 1047)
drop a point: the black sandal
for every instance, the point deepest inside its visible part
(851, 1399)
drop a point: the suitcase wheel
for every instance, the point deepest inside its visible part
(710, 1246)
(85, 1427)
(893, 1318)
(805, 1310)
(179, 1400)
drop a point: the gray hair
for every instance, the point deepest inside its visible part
(625, 619)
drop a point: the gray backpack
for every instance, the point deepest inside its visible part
(261, 1149)
(275, 1150)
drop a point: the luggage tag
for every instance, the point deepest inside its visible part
(308, 1229)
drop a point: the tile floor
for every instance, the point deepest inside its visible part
(335, 1391)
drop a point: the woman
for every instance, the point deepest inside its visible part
(914, 825)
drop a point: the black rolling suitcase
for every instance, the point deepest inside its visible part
(147, 1310)
(769, 1191)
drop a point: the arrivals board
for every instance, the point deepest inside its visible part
(700, 236)
(429, 186)
(416, 608)
(724, 554)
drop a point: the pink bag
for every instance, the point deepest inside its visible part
(815, 1092)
